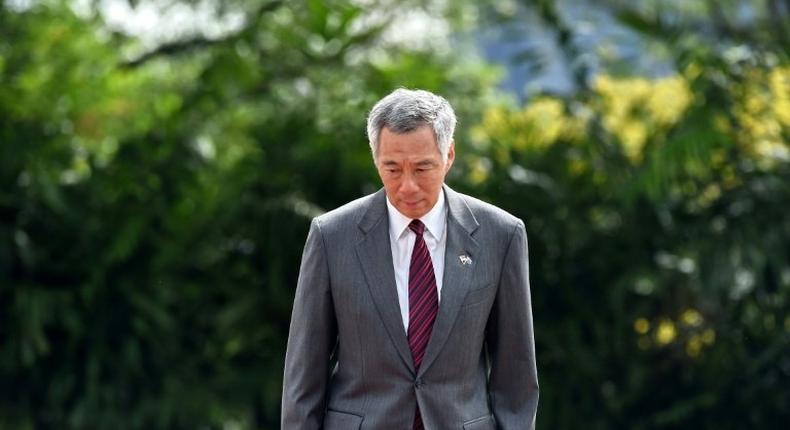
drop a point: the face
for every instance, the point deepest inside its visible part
(412, 169)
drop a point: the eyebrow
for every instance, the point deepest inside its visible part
(421, 163)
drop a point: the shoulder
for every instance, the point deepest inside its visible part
(487, 214)
(347, 215)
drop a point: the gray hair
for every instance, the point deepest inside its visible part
(404, 111)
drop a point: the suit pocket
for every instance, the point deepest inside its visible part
(482, 423)
(478, 295)
(335, 420)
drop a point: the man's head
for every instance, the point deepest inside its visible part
(411, 137)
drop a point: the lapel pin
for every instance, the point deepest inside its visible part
(465, 260)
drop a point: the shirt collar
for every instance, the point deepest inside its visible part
(434, 220)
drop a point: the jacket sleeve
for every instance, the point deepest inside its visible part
(513, 379)
(311, 339)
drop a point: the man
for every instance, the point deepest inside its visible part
(412, 308)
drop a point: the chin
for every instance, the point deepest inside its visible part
(411, 212)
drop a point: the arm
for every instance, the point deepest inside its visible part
(312, 337)
(513, 381)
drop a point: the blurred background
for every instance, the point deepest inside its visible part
(160, 162)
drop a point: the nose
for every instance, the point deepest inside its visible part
(409, 184)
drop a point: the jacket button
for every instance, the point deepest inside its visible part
(418, 383)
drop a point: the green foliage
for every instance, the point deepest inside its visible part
(676, 279)
(658, 247)
(153, 206)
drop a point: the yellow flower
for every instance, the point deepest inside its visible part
(780, 90)
(633, 136)
(636, 109)
(692, 71)
(668, 100)
(666, 332)
(545, 117)
(709, 195)
(539, 124)
(722, 123)
(495, 118)
(694, 346)
(691, 317)
(764, 115)
(708, 336)
(638, 88)
(603, 84)
(479, 170)
(641, 325)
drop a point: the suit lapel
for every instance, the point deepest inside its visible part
(461, 223)
(375, 257)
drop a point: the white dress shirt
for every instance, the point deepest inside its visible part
(402, 244)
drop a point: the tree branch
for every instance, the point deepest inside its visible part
(191, 44)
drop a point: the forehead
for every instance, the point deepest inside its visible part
(416, 144)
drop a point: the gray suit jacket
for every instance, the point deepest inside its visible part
(348, 364)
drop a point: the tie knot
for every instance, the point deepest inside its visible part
(417, 227)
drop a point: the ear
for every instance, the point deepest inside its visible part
(450, 156)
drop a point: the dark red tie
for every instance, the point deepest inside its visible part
(423, 302)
